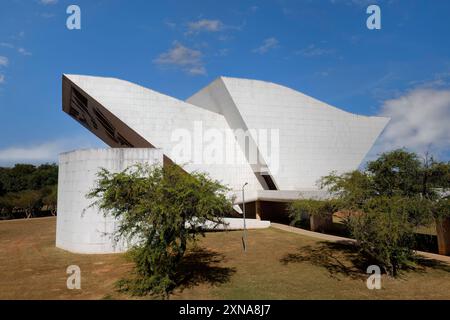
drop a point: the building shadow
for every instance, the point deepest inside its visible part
(201, 266)
(426, 242)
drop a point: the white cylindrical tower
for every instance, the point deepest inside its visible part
(79, 228)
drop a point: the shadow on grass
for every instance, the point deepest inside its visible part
(199, 266)
(338, 258)
(422, 264)
(342, 259)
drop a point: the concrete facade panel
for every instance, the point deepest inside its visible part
(79, 227)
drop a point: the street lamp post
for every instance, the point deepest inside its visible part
(244, 238)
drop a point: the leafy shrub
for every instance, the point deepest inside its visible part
(394, 195)
(384, 233)
(159, 210)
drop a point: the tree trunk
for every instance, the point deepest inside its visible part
(443, 235)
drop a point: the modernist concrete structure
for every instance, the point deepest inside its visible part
(79, 227)
(276, 139)
(314, 138)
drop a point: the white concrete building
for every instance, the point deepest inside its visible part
(314, 138)
(276, 139)
(79, 227)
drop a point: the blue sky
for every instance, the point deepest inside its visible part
(321, 48)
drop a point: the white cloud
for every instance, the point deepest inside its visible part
(170, 24)
(43, 152)
(24, 52)
(20, 50)
(205, 25)
(222, 52)
(3, 61)
(200, 70)
(2, 79)
(189, 60)
(48, 2)
(438, 80)
(268, 44)
(314, 51)
(420, 122)
(6, 45)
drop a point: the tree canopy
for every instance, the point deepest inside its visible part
(159, 210)
(27, 177)
(394, 194)
(396, 173)
(26, 188)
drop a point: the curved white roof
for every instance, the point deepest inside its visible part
(314, 137)
(310, 138)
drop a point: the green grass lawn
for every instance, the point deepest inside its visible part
(278, 265)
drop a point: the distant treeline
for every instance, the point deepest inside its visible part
(27, 190)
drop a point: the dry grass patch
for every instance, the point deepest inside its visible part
(277, 265)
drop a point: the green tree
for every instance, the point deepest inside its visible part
(28, 177)
(384, 233)
(6, 206)
(2, 189)
(29, 201)
(353, 189)
(438, 176)
(159, 210)
(25, 187)
(18, 177)
(398, 172)
(50, 198)
(45, 175)
(394, 195)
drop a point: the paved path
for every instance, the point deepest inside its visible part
(332, 238)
